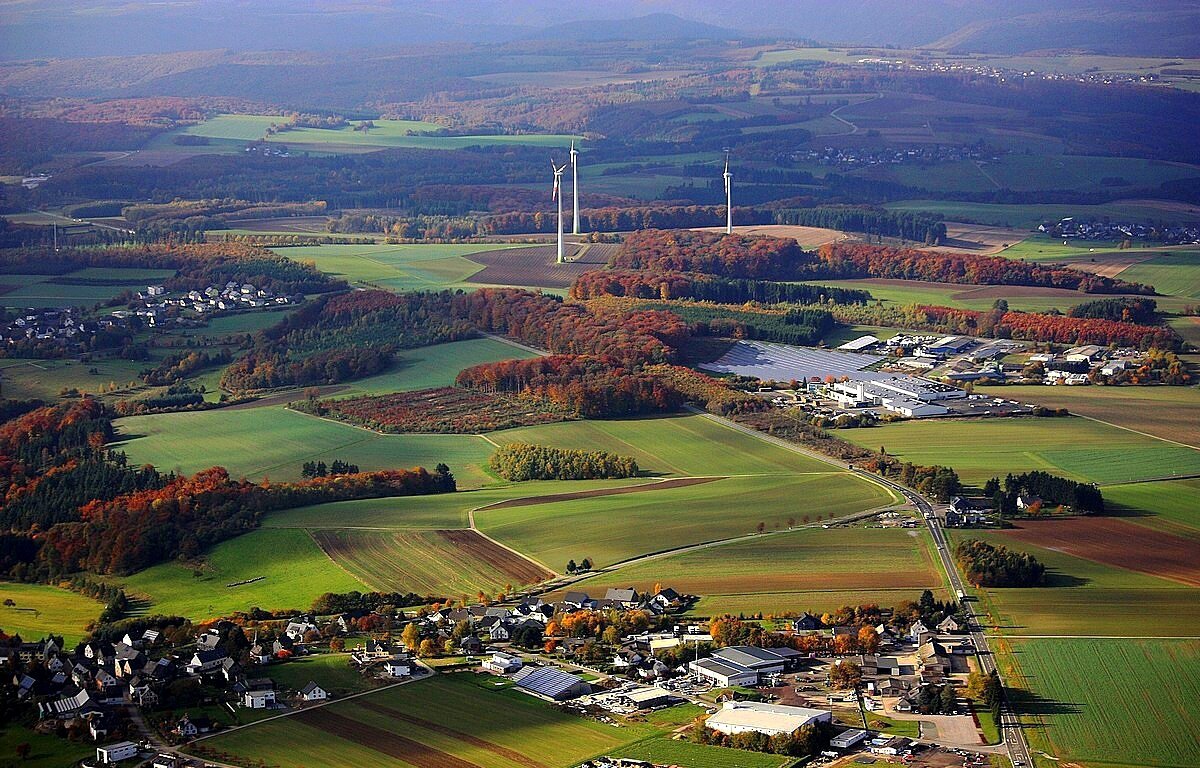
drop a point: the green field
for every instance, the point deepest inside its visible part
(41, 610)
(1171, 413)
(294, 569)
(814, 570)
(450, 714)
(394, 267)
(45, 379)
(1072, 447)
(1084, 597)
(386, 133)
(46, 751)
(1170, 505)
(676, 445)
(1111, 702)
(331, 671)
(1176, 273)
(1030, 216)
(610, 529)
(272, 441)
(47, 291)
(1022, 172)
(435, 366)
(974, 297)
(662, 750)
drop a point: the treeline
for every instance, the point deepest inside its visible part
(1002, 324)
(321, 469)
(197, 266)
(919, 226)
(591, 386)
(747, 256)
(701, 287)
(179, 365)
(344, 337)
(621, 219)
(330, 603)
(851, 260)
(187, 217)
(1123, 310)
(995, 565)
(523, 461)
(188, 514)
(806, 326)
(1050, 490)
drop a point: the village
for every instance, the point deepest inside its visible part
(843, 679)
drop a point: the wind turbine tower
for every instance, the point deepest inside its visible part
(558, 172)
(575, 186)
(728, 197)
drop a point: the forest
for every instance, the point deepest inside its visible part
(995, 565)
(523, 461)
(697, 286)
(1047, 491)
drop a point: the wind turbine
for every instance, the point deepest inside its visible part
(728, 197)
(575, 186)
(557, 195)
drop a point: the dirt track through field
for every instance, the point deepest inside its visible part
(475, 741)
(532, 266)
(1116, 542)
(390, 744)
(527, 501)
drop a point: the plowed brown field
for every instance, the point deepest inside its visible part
(390, 744)
(1116, 542)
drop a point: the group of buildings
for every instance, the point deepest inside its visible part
(156, 304)
(1072, 228)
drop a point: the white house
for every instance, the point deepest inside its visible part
(313, 692)
(115, 753)
(398, 666)
(502, 663)
(263, 698)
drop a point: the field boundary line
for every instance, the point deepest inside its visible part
(336, 564)
(517, 552)
(1143, 434)
(1098, 637)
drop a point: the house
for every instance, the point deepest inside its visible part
(1027, 501)
(115, 753)
(577, 599)
(299, 628)
(502, 663)
(313, 692)
(918, 631)
(768, 719)
(470, 645)
(627, 597)
(188, 727)
(949, 625)
(166, 761)
(935, 661)
(398, 666)
(208, 641)
(497, 632)
(259, 696)
(203, 662)
(848, 739)
(806, 623)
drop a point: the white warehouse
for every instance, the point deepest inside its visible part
(910, 396)
(770, 719)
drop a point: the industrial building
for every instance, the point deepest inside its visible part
(909, 396)
(551, 683)
(769, 719)
(743, 664)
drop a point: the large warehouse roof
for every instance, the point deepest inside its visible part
(766, 718)
(551, 682)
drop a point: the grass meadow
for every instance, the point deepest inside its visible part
(331, 671)
(804, 570)
(1173, 506)
(274, 442)
(1172, 413)
(292, 569)
(41, 609)
(1030, 216)
(405, 267)
(1073, 447)
(435, 366)
(1110, 702)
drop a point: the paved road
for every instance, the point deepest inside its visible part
(1010, 724)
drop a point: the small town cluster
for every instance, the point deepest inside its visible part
(159, 307)
(811, 683)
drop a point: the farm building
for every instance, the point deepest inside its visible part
(501, 663)
(551, 683)
(950, 345)
(769, 719)
(859, 344)
(848, 739)
(398, 666)
(647, 698)
(313, 692)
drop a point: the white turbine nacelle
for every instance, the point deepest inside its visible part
(575, 186)
(557, 195)
(728, 198)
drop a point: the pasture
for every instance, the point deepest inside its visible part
(1110, 702)
(1030, 216)
(1173, 505)
(332, 671)
(1077, 448)
(435, 366)
(82, 288)
(291, 572)
(1082, 597)
(677, 445)
(1171, 413)
(1176, 273)
(440, 562)
(803, 570)
(609, 529)
(437, 722)
(274, 442)
(977, 297)
(1020, 172)
(45, 750)
(46, 379)
(41, 609)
